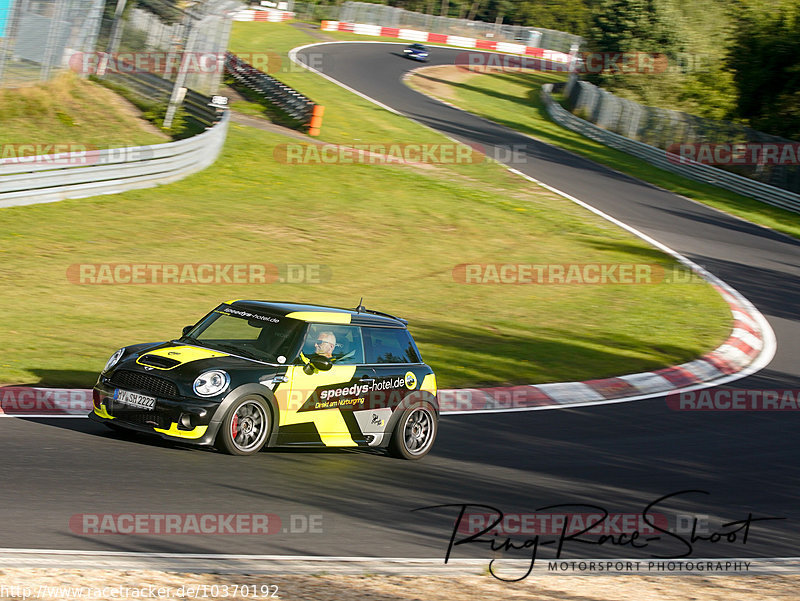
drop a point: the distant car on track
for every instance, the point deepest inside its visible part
(417, 52)
(255, 373)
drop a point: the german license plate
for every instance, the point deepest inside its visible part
(135, 399)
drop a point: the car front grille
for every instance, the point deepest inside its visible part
(145, 383)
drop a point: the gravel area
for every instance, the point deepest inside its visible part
(138, 584)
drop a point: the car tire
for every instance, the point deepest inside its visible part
(245, 428)
(414, 432)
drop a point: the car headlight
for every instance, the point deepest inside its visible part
(211, 382)
(112, 361)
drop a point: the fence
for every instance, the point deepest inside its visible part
(313, 11)
(663, 128)
(388, 16)
(37, 38)
(68, 39)
(201, 29)
(670, 162)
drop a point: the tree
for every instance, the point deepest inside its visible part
(763, 57)
(635, 26)
(571, 16)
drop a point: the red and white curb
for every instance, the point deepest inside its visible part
(415, 35)
(267, 15)
(742, 349)
(746, 349)
(749, 348)
(26, 401)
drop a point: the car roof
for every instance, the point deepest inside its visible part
(320, 313)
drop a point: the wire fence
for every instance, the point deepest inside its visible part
(183, 45)
(312, 11)
(389, 16)
(38, 37)
(730, 146)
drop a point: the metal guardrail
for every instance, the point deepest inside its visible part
(296, 106)
(48, 178)
(667, 129)
(671, 162)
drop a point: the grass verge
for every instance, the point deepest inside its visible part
(70, 110)
(514, 100)
(392, 234)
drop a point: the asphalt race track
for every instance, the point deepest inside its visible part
(618, 457)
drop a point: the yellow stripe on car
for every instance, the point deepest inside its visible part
(173, 431)
(429, 384)
(184, 354)
(330, 424)
(101, 411)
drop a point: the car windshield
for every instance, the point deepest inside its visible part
(241, 332)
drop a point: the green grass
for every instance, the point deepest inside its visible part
(389, 234)
(70, 110)
(513, 99)
(347, 118)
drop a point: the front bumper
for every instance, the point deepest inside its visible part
(186, 420)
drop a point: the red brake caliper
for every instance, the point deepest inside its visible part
(234, 425)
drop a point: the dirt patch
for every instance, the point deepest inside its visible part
(313, 31)
(148, 584)
(437, 81)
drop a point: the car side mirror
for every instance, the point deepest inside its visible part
(187, 329)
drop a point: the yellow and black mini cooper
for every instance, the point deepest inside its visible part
(256, 373)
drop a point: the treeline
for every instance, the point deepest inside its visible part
(571, 16)
(726, 59)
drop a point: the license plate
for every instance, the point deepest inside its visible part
(135, 399)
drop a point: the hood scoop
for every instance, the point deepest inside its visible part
(158, 361)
